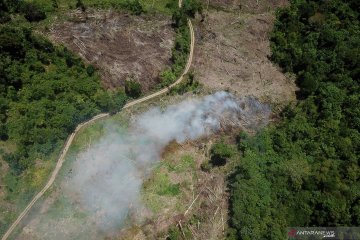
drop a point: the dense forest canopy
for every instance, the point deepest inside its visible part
(45, 91)
(305, 170)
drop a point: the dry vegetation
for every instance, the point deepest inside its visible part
(246, 6)
(121, 46)
(197, 211)
(233, 49)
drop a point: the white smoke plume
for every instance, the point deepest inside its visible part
(107, 178)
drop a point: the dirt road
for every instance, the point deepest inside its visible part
(165, 90)
(100, 116)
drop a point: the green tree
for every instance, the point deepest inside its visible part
(221, 153)
(134, 6)
(132, 88)
(307, 166)
(40, 106)
(80, 5)
(32, 12)
(191, 7)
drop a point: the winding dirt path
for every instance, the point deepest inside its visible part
(186, 70)
(100, 116)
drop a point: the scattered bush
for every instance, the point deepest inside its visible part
(206, 166)
(187, 85)
(134, 6)
(179, 19)
(80, 5)
(174, 234)
(55, 4)
(191, 7)
(116, 102)
(179, 57)
(132, 88)
(32, 12)
(221, 153)
(90, 70)
(181, 49)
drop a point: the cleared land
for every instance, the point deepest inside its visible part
(121, 46)
(233, 50)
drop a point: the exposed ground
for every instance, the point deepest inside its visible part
(232, 50)
(245, 6)
(122, 46)
(199, 210)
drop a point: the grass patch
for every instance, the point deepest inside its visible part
(163, 186)
(90, 135)
(187, 162)
(21, 189)
(160, 193)
(62, 208)
(189, 84)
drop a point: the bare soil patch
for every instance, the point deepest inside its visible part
(246, 6)
(233, 51)
(120, 45)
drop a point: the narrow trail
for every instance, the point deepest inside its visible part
(70, 139)
(167, 89)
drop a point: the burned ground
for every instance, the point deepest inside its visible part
(121, 46)
(233, 50)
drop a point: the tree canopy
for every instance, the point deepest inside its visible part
(305, 170)
(45, 91)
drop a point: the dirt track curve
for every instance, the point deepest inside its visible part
(100, 116)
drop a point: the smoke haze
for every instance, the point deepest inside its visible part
(106, 179)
